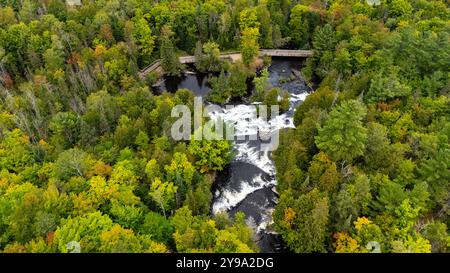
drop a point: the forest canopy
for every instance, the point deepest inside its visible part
(85, 147)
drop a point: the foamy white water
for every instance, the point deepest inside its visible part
(254, 156)
(298, 97)
(231, 197)
(246, 123)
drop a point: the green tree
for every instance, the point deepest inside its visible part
(400, 7)
(142, 141)
(271, 97)
(72, 162)
(302, 222)
(228, 242)
(261, 84)
(290, 160)
(102, 113)
(120, 240)
(128, 216)
(208, 57)
(249, 44)
(169, 59)
(54, 57)
(58, 8)
(199, 234)
(299, 25)
(324, 43)
(7, 16)
(163, 193)
(65, 128)
(436, 172)
(323, 173)
(266, 27)
(378, 149)
(220, 88)
(284, 100)
(30, 212)
(238, 80)
(85, 230)
(436, 233)
(385, 88)
(15, 151)
(198, 199)
(302, 22)
(352, 200)
(248, 18)
(143, 36)
(158, 227)
(211, 155)
(125, 133)
(402, 235)
(343, 135)
(181, 172)
(152, 169)
(322, 98)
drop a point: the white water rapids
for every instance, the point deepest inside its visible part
(246, 123)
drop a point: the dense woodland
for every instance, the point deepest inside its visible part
(85, 147)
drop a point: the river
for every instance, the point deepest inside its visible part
(248, 183)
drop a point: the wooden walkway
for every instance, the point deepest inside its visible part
(286, 53)
(232, 56)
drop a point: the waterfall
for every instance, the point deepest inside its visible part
(250, 186)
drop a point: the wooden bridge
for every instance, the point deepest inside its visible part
(232, 56)
(286, 53)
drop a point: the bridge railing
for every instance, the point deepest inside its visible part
(270, 52)
(146, 69)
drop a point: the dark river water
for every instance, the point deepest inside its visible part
(248, 183)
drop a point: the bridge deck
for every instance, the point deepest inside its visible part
(234, 56)
(286, 53)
